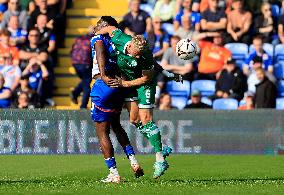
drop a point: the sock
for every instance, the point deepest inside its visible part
(139, 127)
(160, 157)
(129, 151)
(111, 164)
(153, 135)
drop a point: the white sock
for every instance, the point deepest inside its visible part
(160, 157)
(113, 171)
(133, 160)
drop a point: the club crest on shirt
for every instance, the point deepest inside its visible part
(133, 63)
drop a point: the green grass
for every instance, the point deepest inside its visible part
(188, 174)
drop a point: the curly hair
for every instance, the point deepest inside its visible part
(139, 43)
(105, 21)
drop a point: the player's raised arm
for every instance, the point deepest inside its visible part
(106, 30)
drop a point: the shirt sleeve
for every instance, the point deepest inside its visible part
(148, 59)
(281, 20)
(166, 55)
(120, 40)
(222, 14)
(166, 38)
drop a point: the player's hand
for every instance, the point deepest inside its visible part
(178, 78)
(110, 82)
(115, 83)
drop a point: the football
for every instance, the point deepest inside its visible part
(187, 49)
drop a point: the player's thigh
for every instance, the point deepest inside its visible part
(130, 102)
(146, 115)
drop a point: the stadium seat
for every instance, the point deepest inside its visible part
(280, 103)
(179, 93)
(279, 70)
(242, 102)
(275, 10)
(279, 53)
(179, 102)
(204, 100)
(147, 8)
(169, 28)
(225, 104)
(239, 50)
(268, 48)
(206, 87)
(281, 88)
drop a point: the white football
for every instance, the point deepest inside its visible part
(187, 49)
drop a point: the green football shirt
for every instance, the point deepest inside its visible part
(130, 67)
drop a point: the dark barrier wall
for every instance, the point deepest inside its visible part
(206, 132)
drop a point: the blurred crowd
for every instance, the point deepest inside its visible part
(215, 25)
(29, 38)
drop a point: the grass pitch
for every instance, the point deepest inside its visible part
(188, 174)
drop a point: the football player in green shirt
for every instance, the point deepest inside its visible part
(137, 65)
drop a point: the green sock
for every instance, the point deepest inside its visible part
(153, 135)
(139, 126)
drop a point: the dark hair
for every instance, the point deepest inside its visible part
(110, 20)
(5, 32)
(258, 36)
(34, 28)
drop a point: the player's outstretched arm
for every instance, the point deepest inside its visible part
(106, 30)
(170, 75)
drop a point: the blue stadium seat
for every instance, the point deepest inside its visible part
(279, 53)
(242, 102)
(225, 104)
(147, 8)
(280, 103)
(239, 50)
(179, 93)
(179, 102)
(206, 87)
(204, 100)
(169, 28)
(279, 70)
(268, 48)
(280, 88)
(275, 10)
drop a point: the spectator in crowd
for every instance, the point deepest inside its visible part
(213, 58)
(259, 51)
(137, 21)
(165, 9)
(239, 22)
(36, 71)
(281, 26)
(222, 4)
(282, 7)
(193, 17)
(6, 49)
(42, 8)
(165, 102)
(249, 101)
(28, 5)
(231, 83)
(24, 87)
(173, 63)
(263, 24)
(15, 9)
(158, 39)
(213, 19)
(5, 94)
(252, 79)
(196, 101)
(46, 38)
(3, 7)
(18, 35)
(59, 7)
(81, 61)
(266, 92)
(23, 102)
(12, 73)
(32, 49)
